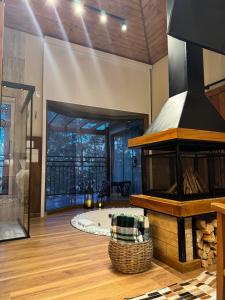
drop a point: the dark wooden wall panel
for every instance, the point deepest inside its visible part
(35, 204)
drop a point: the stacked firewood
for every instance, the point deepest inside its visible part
(193, 183)
(206, 236)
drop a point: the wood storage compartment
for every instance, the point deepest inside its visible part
(206, 241)
(184, 243)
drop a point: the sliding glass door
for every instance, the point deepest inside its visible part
(126, 164)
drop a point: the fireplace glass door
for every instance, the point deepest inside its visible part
(184, 175)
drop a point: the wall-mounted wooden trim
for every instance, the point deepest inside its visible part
(182, 267)
(177, 134)
(220, 209)
(175, 208)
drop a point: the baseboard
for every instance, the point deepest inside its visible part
(182, 267)
(35, 215)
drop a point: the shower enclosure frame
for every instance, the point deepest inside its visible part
(29, 99)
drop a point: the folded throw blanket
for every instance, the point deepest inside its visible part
(129, 228)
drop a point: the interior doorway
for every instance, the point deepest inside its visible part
(90, 149)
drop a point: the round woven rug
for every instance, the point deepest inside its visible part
(99, 221)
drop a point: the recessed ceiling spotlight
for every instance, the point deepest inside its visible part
(51, 2)
(124, 26)
(103, 17)
(78, 7)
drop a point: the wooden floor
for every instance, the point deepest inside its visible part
(60, 262)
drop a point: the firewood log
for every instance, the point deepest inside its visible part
(201, 224)
(200, 244)
(214, 223)
(199, 235)
(199, 252)
(210, 238)
(191, 181)
(204, 255)
(201, 182)
(205, 263)
(210, 261)
(211, 254)
(206, 247)
(213, 245)
(172, 189)
(208, 229)
(198, 181)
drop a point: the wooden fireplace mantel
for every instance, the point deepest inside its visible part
(177, 134)
(175, 208)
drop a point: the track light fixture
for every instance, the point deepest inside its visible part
(51, 2)
(103, 17)
(124, 26)
(79, 9)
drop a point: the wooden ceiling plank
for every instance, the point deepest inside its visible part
(144, 41)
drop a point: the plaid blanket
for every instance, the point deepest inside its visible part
(129, 228)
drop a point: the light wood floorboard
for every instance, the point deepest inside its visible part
(62, 263)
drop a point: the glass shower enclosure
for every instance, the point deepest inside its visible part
(16, 110)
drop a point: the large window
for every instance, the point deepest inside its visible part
(74, 162)
(83, 152)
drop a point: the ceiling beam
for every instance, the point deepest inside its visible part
(145, 31)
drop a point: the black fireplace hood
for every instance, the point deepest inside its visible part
(187, 110)
(187, 107)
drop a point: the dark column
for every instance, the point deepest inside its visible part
(181, 239)
(186, 70)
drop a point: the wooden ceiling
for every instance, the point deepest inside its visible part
(145, 39)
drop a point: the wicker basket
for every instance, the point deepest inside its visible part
(131, 258)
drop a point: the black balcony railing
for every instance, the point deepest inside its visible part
(67, 175)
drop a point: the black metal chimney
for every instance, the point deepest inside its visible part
(187, 107)
(201, 22)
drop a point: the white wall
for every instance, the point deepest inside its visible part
(80, 75)
(34, 76)
(23, 63)
(214, 65)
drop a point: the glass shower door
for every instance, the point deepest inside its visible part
(15, 158)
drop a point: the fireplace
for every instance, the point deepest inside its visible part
(183, 159)
(185, 171)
